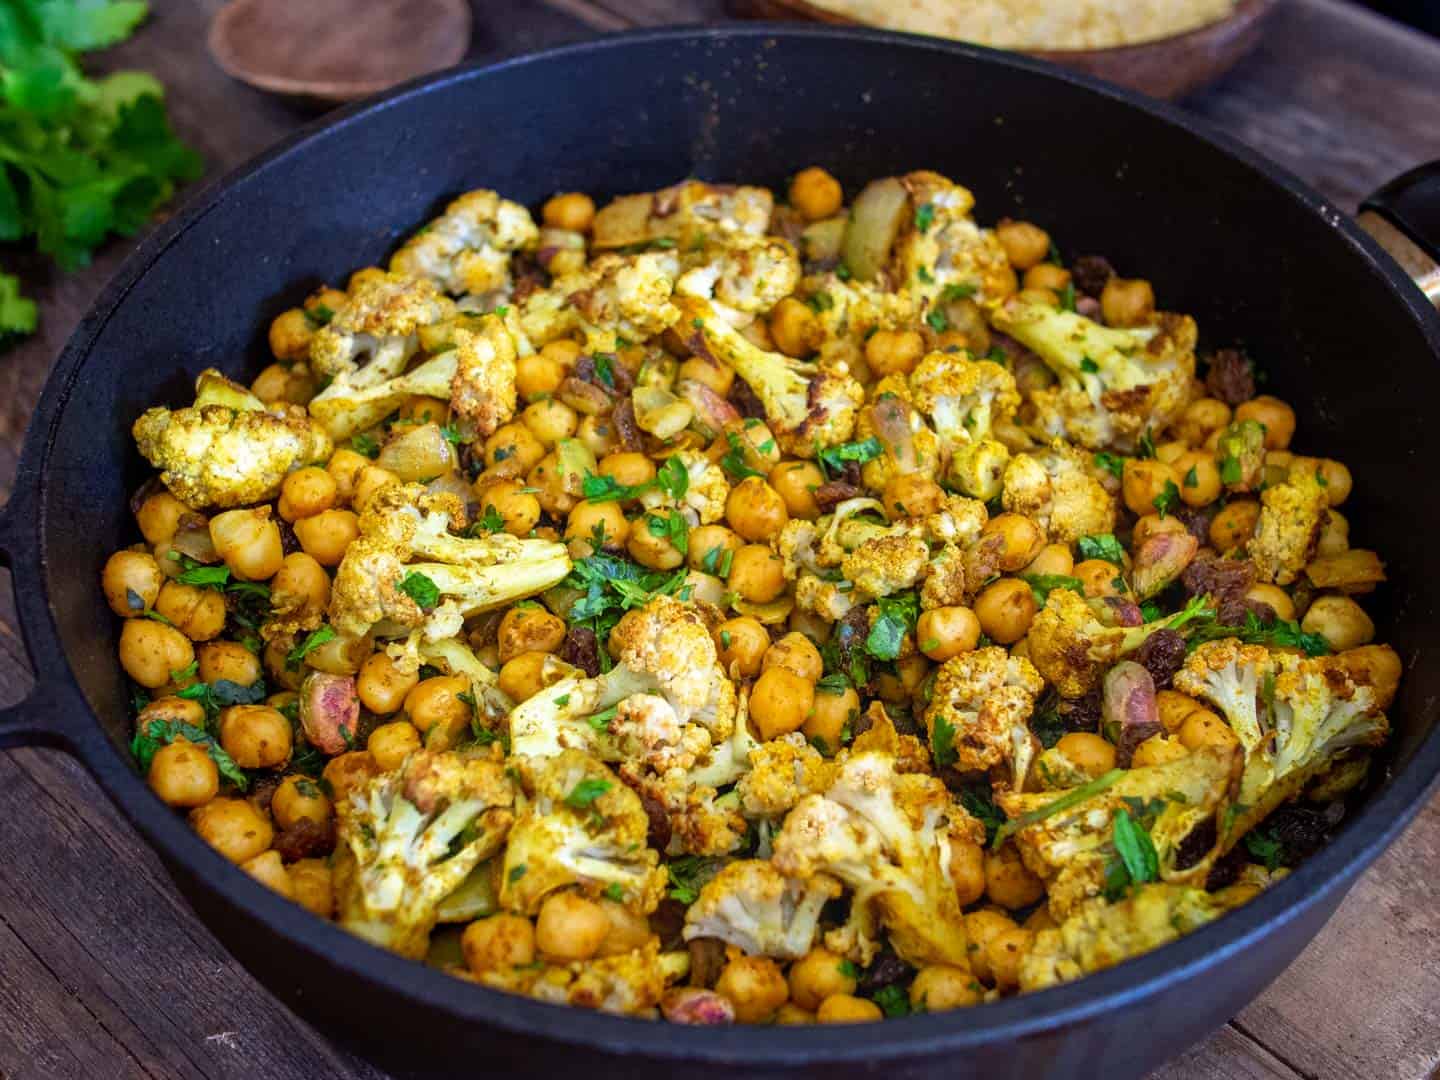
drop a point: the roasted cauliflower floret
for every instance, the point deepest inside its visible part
(743, 275)
(467, 249)
(476, 375)
(614, 297)
(848, 310)
(979, 708)
(405, 555)
(807, 405)
(227, 449)
(579, 826)
(1054, 488)
(1069, 847)
(704, 494)
(1294, 716)
(1292, 516)
(879, 831)
(752, 906)
(408, 838)
(886, 564)
(1100, 935)
(686, 213)
(782, 772)
(1072, 648)
(1114, 384)
(630, 983)
(942, 250)
(963, 399)
(375, 332)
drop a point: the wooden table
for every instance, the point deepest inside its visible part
(104, 972)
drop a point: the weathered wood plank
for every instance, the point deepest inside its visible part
(1226, 1055)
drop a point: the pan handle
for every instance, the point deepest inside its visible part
(31, 722)
(1404, 218)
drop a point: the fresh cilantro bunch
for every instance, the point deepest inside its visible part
(80, 159)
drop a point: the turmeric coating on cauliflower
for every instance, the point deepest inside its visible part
(227, 449)
(724, 605)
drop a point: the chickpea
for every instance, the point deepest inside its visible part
(1340, 621)
(326, 535)
(717, 538)
(1234, 525)
(755, 510)
(1046, 275)
(650, 543)
(1377, 666)
(174, 709)
(1153, 525)
(344, 468)
(1157, 750)
(528, 627)
(314, 889)
(1005, 609)
(198, 613)
(1089, 752)
(795, 653)
(280, 384)
(757, 574)
(1199, 478)
(796, 482)
(570, 927)
(816, 194)
(596, 525)
(524, 676)
(230, 661)
(368, 481)
(982, 928)
(717, 377)
(300, 586)
(183, 775)
(1145, 480)
(1023, 539)
(435, 703)
(290, 335)
(1335, 479)
(1052, 559)
(256, 736)
(899, 688)
(131, 582)
(1173, 707)
(550, 421)
(297, 799)
(1205, 728)
(306, 492)
(573, 210)
(1278, 599)
(847, 1009)
(912, 495)
(944, 632)
(1278, 418)
(967, 870)
(515, 444)
(627, 932)
(519, 509)
(341, 655)
(940, 987)
(233, 827)
(1170, 452)
(1100, 577)
(1008, 882)
(794, 328)
(390, 744)
(1201, 419)
(1127, 302)
(780, 701)
(754, 986)
(598, 434)
(249, 542)
(346, 772)
(159, 517)
(1040, 919)
(791, 1015)
(1025, 245)
(1004, 952)
(817, 975)
(894, 352)
(267, 869)
(151, 651)
(829, 718)
(502, 942)
(740, 644)
(628, 468)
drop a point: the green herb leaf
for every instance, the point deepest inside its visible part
(1111, 463)
(312, 641)
(893, 1000)
(1103, 546)
(942, 742)
(205, 577)
(613, 891)
(936, 320)
(1041, 585)
(897, 616)
(979, 801)
(834, 683)
(158, 733)
(1135, 848)
(832, 459)
(586, 792)
(1265, 848)
(420, 589)
(924, 217)
(1167, 500)
(689, 874)
(1067, 303)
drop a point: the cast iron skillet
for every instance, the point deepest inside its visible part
(1256, 256)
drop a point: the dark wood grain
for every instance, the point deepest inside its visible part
(104, 972)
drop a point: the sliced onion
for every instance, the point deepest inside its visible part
(418, 453)
(875, 220)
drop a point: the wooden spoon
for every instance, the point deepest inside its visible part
(337, 50)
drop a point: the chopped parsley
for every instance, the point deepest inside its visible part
(365, 444)
(313, 641)
(897, 616)
(583, 794)
(158, 733)
(1135, 861)
(1088, 366)
(924, 217)
(1067, 303)
(832, 459)
(736, 460)
(689, 874)
(717, 561)
(979, 801)
(1111, 463)
(893, 1000)
(1043, 584)
(1101, 546)
(420, 589)
(1168, 499)
(1265, 848)
(958, 291)
(613, 891)
(942, 742)
(936, 320)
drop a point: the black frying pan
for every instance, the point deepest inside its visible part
(1256, 256)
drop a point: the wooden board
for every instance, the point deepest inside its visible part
(104, 972)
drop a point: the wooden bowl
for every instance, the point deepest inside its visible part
(1169, 67)
(337, 50)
